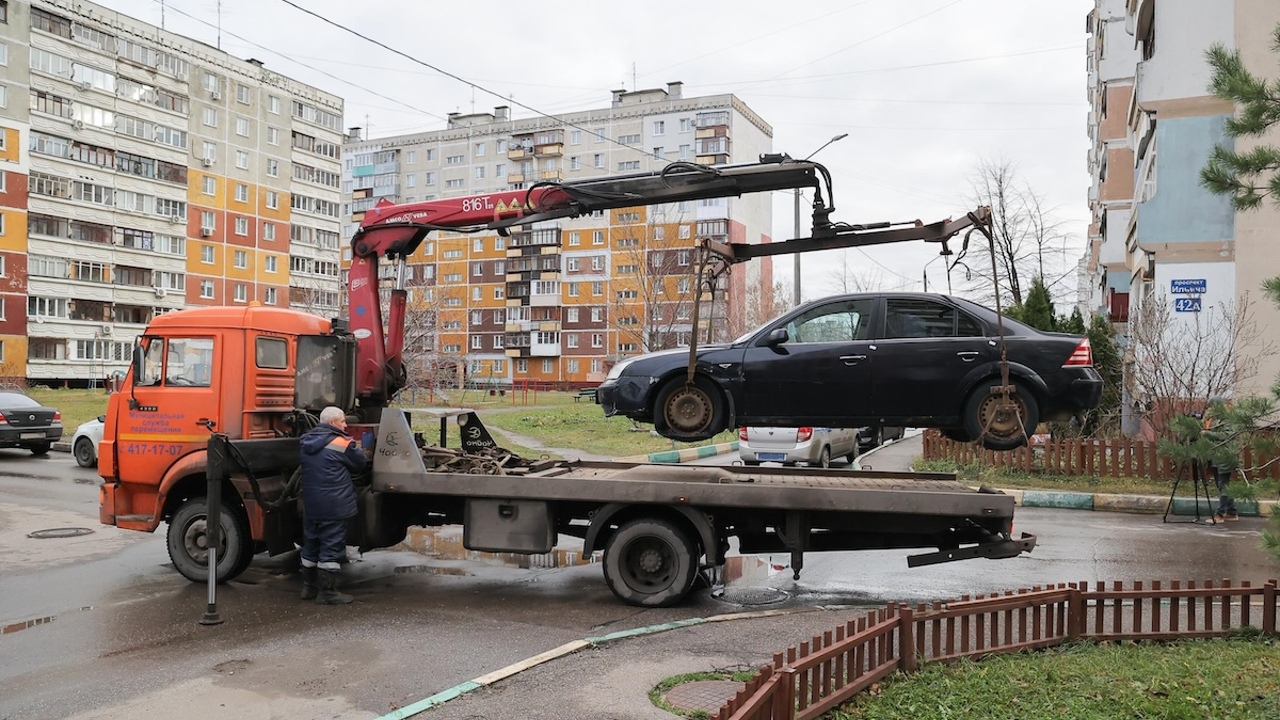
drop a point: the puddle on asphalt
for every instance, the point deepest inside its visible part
(27, 624)
(429, 570)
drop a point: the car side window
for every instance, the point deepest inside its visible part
(843, 321)
(918, 318)
(968, 326)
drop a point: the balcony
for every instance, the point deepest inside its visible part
(552, 175)
(515, 178)
(712, 159)
(548, 150)
(519, 153)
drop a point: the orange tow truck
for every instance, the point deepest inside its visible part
(217, 397)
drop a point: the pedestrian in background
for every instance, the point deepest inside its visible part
(1223, 460)
(329, 458)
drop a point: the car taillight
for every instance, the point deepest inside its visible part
(742, 434)
(3, 419)
(1082, 356)
(57, 416)
(803, 434)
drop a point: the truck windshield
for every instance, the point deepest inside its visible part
(178, 362)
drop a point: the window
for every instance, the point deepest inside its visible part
(686, 125)
(4, 11)
(910, 318)
(241, 292)
(273, 199)
(597, 340)
(477, 293)
(479, 172)
(210, 117)
(686, 152)
(428, 178)
(271, 262)
(455, 159)
(477, 342)
(242, 96)
(273, 136)
(242, 159)
(629, 165)
(837, 322)
(207, 221)
(273, 105)
(273, 168)
(499, 293)
(269, 232)
(206, 254)
(242, 193)
(629, 139)
(206, 289)
(242, 226)
(480, 149)
(454, 183)
(411, 157)
(210, 186)
(597, 160)
(573, 289)
(269, 296)
(242, 126)
(597, 238)
(659, 127)
(597, 315)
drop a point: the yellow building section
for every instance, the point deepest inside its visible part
(196, 187)
(12, 149)
(13, 229)
(271, 268)
(203, 261)
(237, 190)
(241, 262)
(281, 199)
(13, 357)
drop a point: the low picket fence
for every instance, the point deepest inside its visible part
(1114, 457)
(809, 680)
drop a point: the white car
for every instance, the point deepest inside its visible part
(84, 444)
(790, 446)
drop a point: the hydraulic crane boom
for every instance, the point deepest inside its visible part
(394, 231)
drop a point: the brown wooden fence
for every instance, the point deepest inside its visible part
(1121, 457)
(808, 680)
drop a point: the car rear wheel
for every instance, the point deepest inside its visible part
(84, 454)
(690, 411)
(824, 457)
(40, 448)
(998, 423)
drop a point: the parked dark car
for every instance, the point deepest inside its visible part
(25, 423)
(875, 359)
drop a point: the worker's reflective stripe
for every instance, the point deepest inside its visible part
(340, 444)
(162, 437)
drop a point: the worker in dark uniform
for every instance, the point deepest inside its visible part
(329, 457)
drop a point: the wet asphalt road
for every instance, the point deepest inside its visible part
(100, 627)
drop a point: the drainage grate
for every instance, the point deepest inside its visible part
(58, 533)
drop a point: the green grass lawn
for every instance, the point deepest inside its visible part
(981, 475)
(76, 406)
(1236, 679)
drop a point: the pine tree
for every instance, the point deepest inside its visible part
(1074, 324)
(1037, 311)
(1109, 363)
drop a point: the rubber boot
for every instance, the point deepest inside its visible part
(329, 594)
(309, 587)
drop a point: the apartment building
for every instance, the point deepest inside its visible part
(145, 172)
(1157, 235)
(560, 302)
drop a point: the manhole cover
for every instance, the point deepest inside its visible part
(753, 596)
(58, 533)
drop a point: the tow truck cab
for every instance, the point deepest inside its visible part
(241, 371)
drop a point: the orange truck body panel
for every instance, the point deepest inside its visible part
(155, 437)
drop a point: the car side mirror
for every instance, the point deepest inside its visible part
(102, 418)
(777, 336)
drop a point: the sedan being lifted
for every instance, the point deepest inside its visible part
(909, 359)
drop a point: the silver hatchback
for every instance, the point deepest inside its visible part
(811, 445)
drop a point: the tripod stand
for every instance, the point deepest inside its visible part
(1198, 482)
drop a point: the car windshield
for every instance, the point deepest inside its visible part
(16, 400)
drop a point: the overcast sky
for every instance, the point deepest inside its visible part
(925, 88)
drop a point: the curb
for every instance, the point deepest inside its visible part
(1137, 504)
(685, 455)
(570, 647)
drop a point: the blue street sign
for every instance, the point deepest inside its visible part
(1186, 304)
(1188, 287)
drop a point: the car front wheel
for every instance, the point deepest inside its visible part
(1000, 423)
(84, 453)
(690, 411)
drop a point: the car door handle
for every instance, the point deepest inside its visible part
(968, 355)
(852, 359)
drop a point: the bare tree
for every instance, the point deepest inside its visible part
(846, 278)
(1029, 242)
(1175, 362)
(760, 306)
(653, 288)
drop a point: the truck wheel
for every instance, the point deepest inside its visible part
(650, 563)
(84, 453)
(689, 412)
(1003, 423)
(190, 554)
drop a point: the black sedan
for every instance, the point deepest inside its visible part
(877, 359)
(25, 423)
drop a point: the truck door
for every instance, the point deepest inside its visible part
(178, 387)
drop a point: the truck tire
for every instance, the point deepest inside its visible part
(186, 541)
(1004, 425)
(650, 563)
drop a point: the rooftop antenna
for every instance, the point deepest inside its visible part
(161, 14)
(219, 24)
(634, 85)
